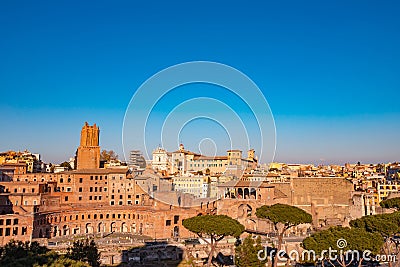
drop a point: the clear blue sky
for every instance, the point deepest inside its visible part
(330, 70)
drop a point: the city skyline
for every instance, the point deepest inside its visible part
(330, 78)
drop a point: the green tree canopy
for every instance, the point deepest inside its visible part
(18, 253)
(283, 218)
(384, 224)
(285, 214)
(391, 203)
(214, 227)
(246, 253)
(344, 238)
(85, 251)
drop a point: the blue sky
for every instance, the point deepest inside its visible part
(329, 69)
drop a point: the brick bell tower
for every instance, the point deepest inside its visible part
(88, 153)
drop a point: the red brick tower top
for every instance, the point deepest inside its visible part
(88, 154)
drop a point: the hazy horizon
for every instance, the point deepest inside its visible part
(329, 71)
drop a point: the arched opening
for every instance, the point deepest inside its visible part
(253, 193)
(113, 227)
(246, 193)
(65, 230)
(89, 228)
(244, 210)
(240, 193)
(141, 229)
(100, 227)
(55, 231)
(176, 231)
(124, 228)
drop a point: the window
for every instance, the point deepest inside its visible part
(8, 222)
(176, 219)
(90, 197)
(33, 190)
(112, 203)
(15, 221)
(81, 180)
(91, 177)
(80, 198)
(66, 198)
(120, 203)
(168, 223)
(91, 189)
(80, 189)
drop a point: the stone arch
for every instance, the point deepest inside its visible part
(141, 229)
(55, 231)
(244, 210)
(113, 227)
(176, 231)
(240, 193)
(89, 228)
(133, 228)
(65, 230)
(100, 227)
(253, 193)
(124, 228)
(246, 193)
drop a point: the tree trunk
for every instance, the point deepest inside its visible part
(279, 247)
(211, 252)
